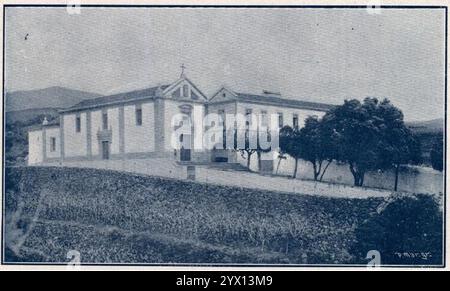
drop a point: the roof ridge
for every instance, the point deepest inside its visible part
(121, 97)
(280, 99)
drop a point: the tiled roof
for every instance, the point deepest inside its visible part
(117, 98)
(53, 123)
(273, 100)
(152, 92)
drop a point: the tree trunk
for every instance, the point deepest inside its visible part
(249, 159)
(355, 180)
(316, 172)
(259, 161)
(355, 175)
(397, 170)
(358, 176)
(278, 166)
(359, 179)
(296, 169)
(324, 170)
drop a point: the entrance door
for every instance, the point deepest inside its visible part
(185, 152)
(105, 150)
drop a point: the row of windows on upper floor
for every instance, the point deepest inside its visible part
(248, 112)
(138, 116)
(264, 118)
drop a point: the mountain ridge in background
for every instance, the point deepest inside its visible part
(53, 97)
(429, 126)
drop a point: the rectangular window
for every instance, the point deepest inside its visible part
(185, 91)
(295, 121)
(248, 116)
(280, 120)
(264, 119)
(53, 144)
(105, 121)
(78, 124)
(138, 116)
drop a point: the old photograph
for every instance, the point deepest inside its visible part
(300, 136)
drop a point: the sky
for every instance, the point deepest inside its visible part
(321, 55)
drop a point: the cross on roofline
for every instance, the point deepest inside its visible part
(183, 67)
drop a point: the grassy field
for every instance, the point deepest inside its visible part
(112, 217)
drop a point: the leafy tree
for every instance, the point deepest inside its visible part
(437, 154)
(359, 132)
(398, 146)
(315, 147)
(290, 144)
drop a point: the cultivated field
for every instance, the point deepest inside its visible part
(113, 217)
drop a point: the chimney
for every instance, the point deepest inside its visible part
(271, 93)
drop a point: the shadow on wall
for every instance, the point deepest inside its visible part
(413, 179)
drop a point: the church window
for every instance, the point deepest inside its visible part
(105, 121)
(138, 116)
(248, 116)
(78, 124)
(280, 120)
(185, 91)
(53, 144)
(295, 121)
(264, 120)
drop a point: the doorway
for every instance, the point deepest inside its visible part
(105, 150)
(185, 152)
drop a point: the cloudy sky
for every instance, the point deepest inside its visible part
(309, 54)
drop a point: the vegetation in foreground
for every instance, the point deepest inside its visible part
(115, 217)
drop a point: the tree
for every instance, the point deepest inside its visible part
(398, 146)
(246, 150)
(281, 157)
(437, 155)
(315, 147)
(357, 132)
(290, 144)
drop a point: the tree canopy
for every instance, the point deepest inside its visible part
(369, 135)
(437, 154)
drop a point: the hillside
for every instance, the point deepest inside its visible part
(25, 116)
(114, 217)
(428, 133)
(53, 97)
(429, 126)
(121, 217)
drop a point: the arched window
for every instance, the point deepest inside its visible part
(185, 91)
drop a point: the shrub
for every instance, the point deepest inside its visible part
(437, 154)
(406, 230)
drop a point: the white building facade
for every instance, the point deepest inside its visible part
(140, 125)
